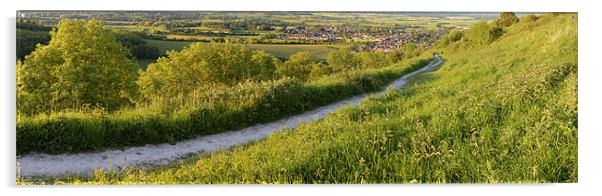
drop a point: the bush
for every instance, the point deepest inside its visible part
(138, 47)
(145, 51)
(452, 36)
(481, 33)
(299, 66)
(507, 19)
(373, 59)
(529, 18)
(342, 60)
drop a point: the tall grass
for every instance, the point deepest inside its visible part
(214, 111)
(505, 112)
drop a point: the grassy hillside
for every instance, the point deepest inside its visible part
(504, 112)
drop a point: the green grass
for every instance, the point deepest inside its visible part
(505, 112)
(279, 50)
(165, 46)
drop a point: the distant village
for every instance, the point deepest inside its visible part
(384, 42)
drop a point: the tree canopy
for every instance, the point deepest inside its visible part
(481, 33)
(507, 19)
(299, 65)
(83, 64)
(137, 46)
(180, 73)
(342, 59)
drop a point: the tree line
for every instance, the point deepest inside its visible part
(30, 33)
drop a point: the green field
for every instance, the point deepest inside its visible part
(279, 50)
(501, 112)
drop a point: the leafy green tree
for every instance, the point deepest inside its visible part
(507, 19)
(318, 70)
(128, 39)
(83, 64)
(181, 74)
(342, 59)
(373, 59)
(137, 46)
(455, 35)
(529, 18)
(410, 50)
(395, 55)
(481, 33)
(145, 51)
(266, 66)
(299, 65)
(451, 37)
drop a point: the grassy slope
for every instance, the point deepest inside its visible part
(500, 113)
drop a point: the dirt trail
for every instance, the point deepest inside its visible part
(85, 163)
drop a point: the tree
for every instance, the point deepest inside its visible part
(299, 65)
(318, 70)
(373, 59)
(410, 50)
(83, 64)
(395, 55)
(529, 18)
(481, 33)
(181, 74)
(27, 41)
(145, 51)
(507, 19)
(455, 35)
(267, 66)
(452, 36)
(137, 46)
(342, 59)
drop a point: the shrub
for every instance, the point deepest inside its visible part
(529, 18)
(481, 33)
(299, 65)
(342, 60)
(507, 19)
